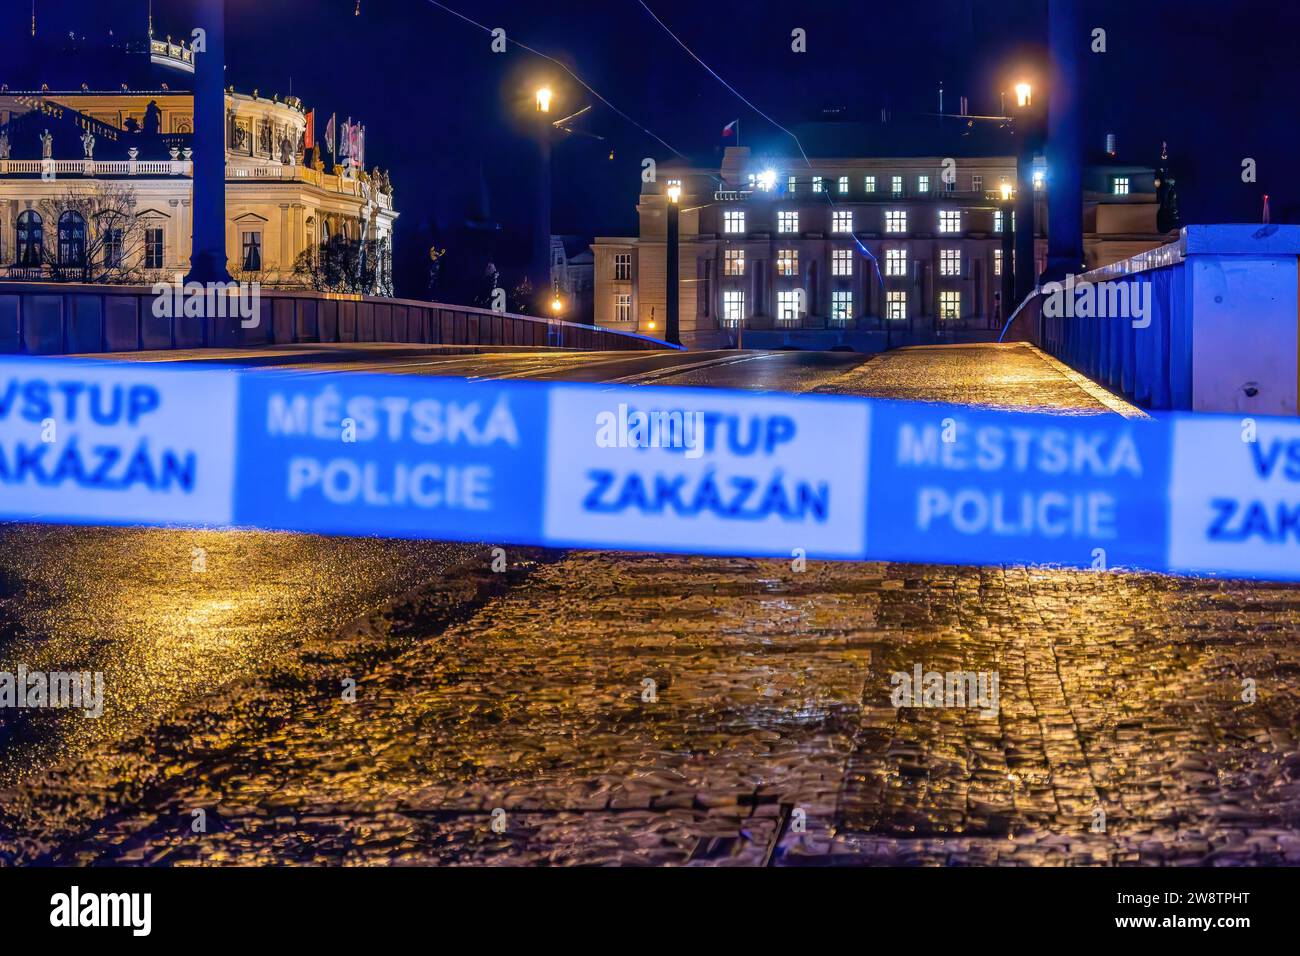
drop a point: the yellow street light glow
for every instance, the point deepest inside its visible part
(1024, 94)
(544, 100)
(556, 304)
(1006, 190)
(674, 192)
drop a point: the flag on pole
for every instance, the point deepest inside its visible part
(730, 128)
(309, 137)
(329, 134)
(1267, 217)
(345, 139)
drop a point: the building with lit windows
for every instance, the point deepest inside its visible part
(74, 149)
(854, 248)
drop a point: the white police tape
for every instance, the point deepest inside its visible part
(663, 469)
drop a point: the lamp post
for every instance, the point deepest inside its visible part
(672, 330)
(208, 244)
(542, 229)
(1029, 127)
(1008, 293)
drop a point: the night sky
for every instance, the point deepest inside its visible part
(1217, 80)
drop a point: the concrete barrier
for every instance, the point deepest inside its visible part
(61, 318)
(1221, 331)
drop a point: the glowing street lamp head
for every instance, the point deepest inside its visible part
(674, 193)
(556, 305)
(1006, 189)
(767, 179)
(544, 100)
(1024, 95)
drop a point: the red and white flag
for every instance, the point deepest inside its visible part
(730, 128)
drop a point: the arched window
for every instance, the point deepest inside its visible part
(31, 239)
(72, 239)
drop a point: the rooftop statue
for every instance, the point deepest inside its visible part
(47, 145)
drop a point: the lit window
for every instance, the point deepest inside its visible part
(787, 305)
(30, 238)
(843, 185)
(869, 184)
(950, 186)
(733, 306)
(787, 221)
(950, 220)
(817, 184)
(251, 244)
(949, 304)
(997, 262)
(1119, 186)
(790, 184)
(922, 184)
(114, 252)
(842, 220)
(153, 249)
(1040, 178)
(895, 305)
(841, 305)
(896, 220)
(623, 266)
(623, 307)
(896, 262)
(896, 185)
(842, 262)
(997, 220)
(733, 262)
(977, 184)
(949, 262)
(787, 262)
(733, 221)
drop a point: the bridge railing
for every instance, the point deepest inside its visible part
(1208, 323)
(61, 318)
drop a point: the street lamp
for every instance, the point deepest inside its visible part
(1008, 291)
(1029, 123)
(541, 257)
(672, 329)
(557, 304)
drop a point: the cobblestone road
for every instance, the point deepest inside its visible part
(646, 709)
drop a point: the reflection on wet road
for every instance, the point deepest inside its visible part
(168, 616)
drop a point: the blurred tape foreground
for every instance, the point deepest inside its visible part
(664, 469)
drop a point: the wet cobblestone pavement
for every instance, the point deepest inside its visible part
(645, 709)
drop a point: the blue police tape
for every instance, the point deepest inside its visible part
(641, 468)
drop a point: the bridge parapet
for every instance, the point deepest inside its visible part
(62, 318)
(1210, 322)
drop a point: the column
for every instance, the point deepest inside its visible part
(1064, 142)
(208, 261)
